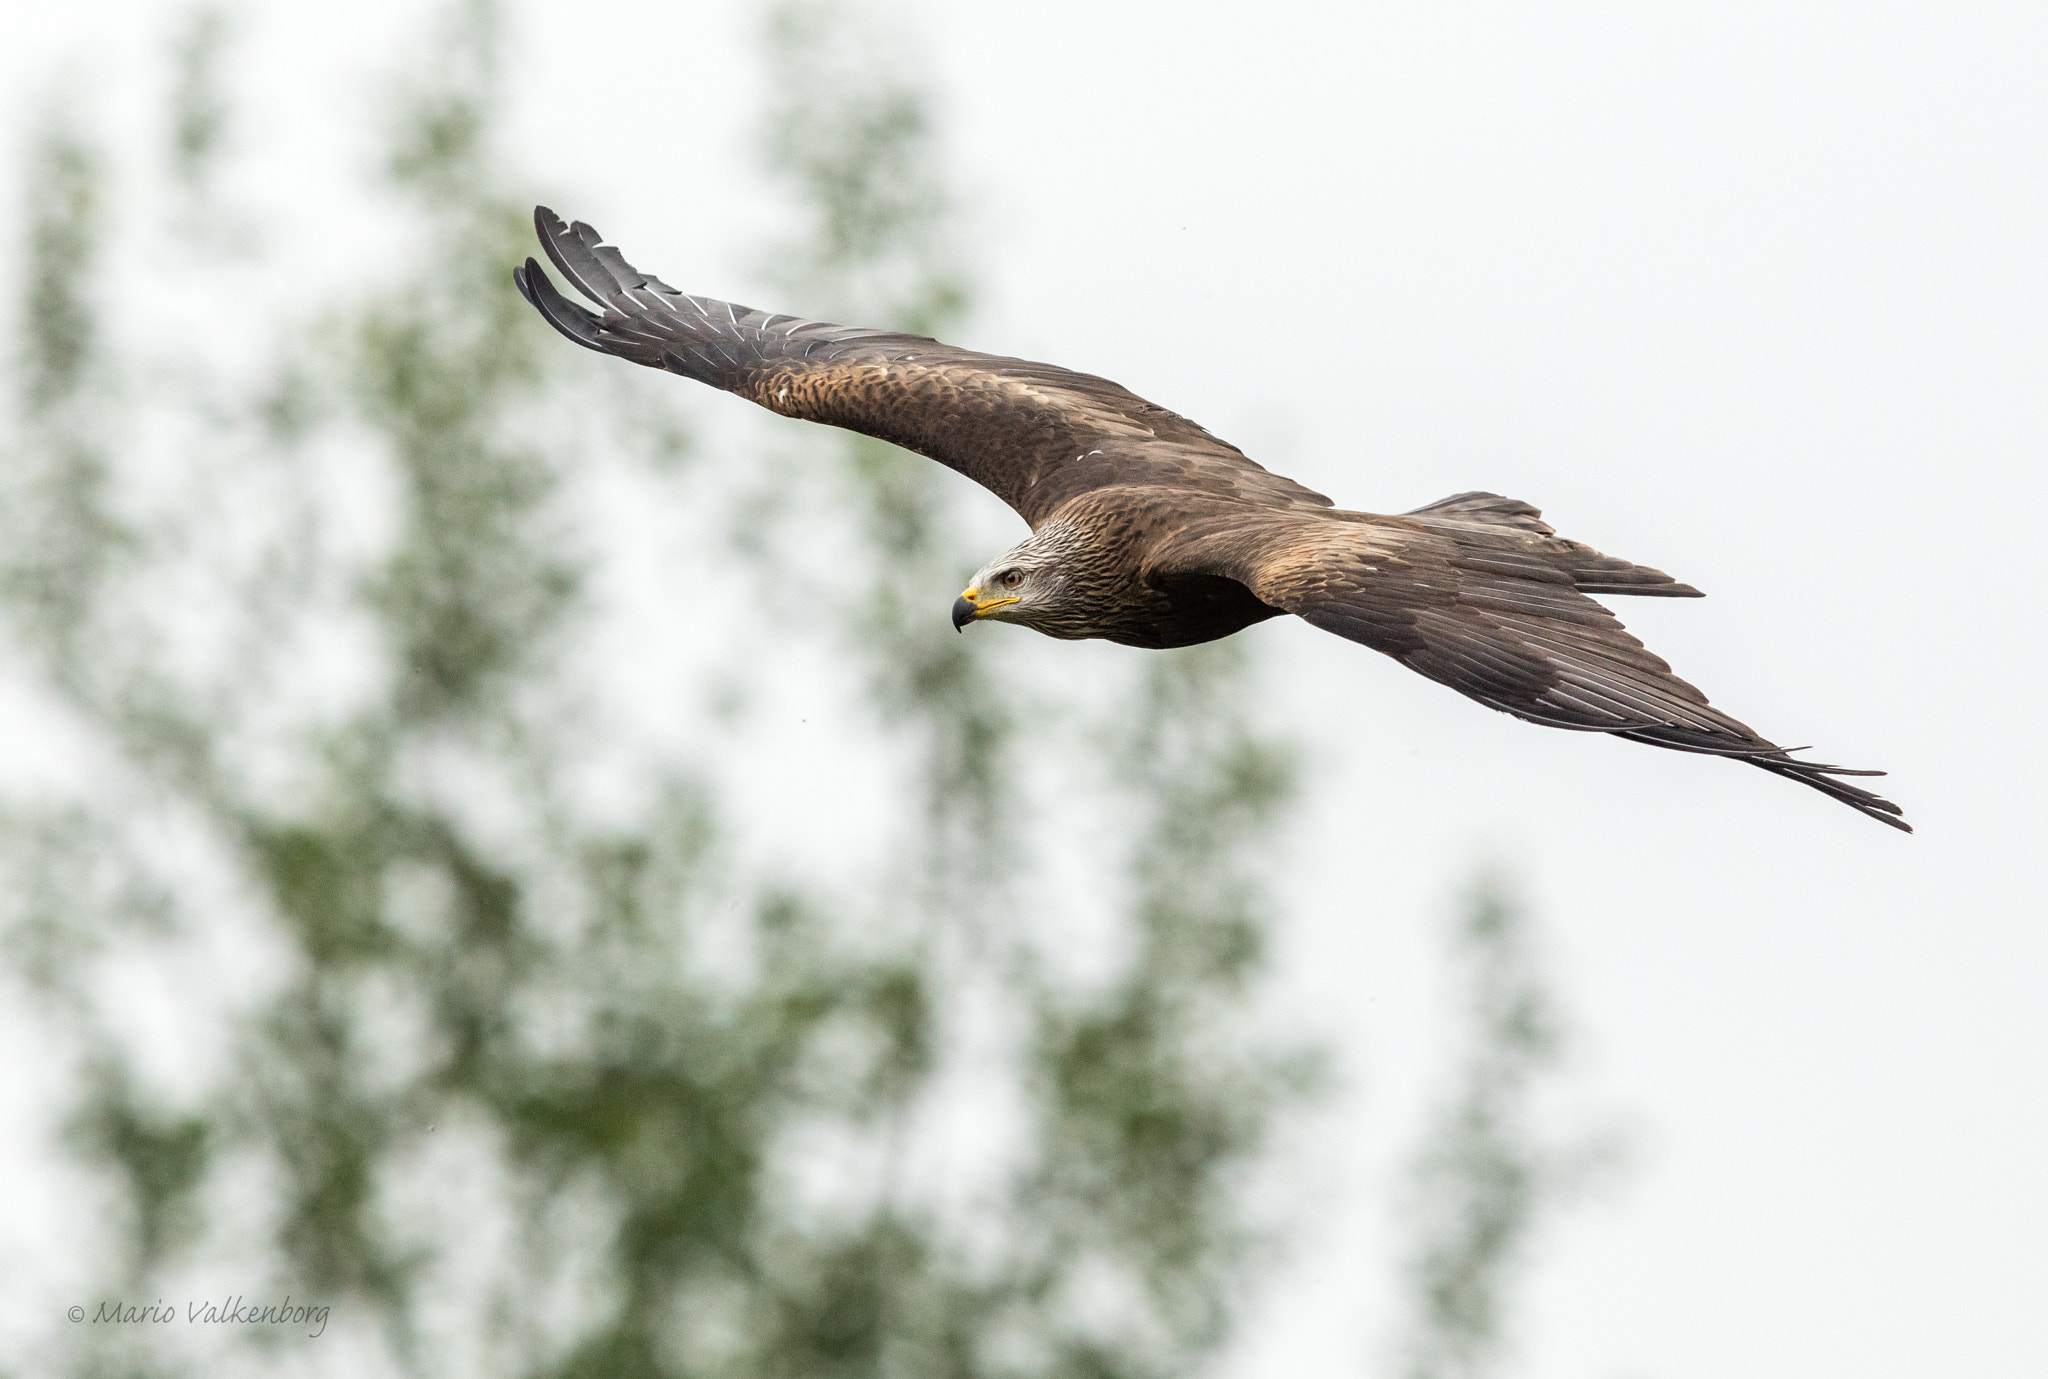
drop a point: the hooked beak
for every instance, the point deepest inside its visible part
(972, 605)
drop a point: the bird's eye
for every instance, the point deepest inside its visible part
(1012, 578)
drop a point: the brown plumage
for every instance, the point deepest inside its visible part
(1149, 531)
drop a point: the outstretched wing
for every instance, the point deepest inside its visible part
(1033, 434)
(1477, 593)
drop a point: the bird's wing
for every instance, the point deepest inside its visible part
(1033, 434)
(1477, 593)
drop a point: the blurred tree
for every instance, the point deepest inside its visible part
(1488, 1170)
(1146, 1105)
(513, 1085)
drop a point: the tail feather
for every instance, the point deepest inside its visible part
(1488, 525)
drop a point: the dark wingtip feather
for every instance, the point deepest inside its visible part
(1663, 588)
(1823, 778)
(569, 249)
(1778, 761)
(558, 311)
(1642, 582)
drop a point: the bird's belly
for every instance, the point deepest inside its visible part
(1186, 611)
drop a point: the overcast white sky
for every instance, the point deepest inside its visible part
(1753, 293)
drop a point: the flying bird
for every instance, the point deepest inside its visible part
(1148, 531)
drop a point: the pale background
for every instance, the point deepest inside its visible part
(1751, 293)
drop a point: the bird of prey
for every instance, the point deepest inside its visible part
(1149, 531)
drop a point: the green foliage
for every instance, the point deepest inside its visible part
(199, 104)
(1488, 1172)
(1145, 1105)
(850, 140)
(161, 1155)
(63, 241)
(1152, 1109)
(546, 1089)
(61, 533)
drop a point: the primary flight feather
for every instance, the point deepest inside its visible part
(1149, 531)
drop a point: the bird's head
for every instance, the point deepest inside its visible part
(1026, 584)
